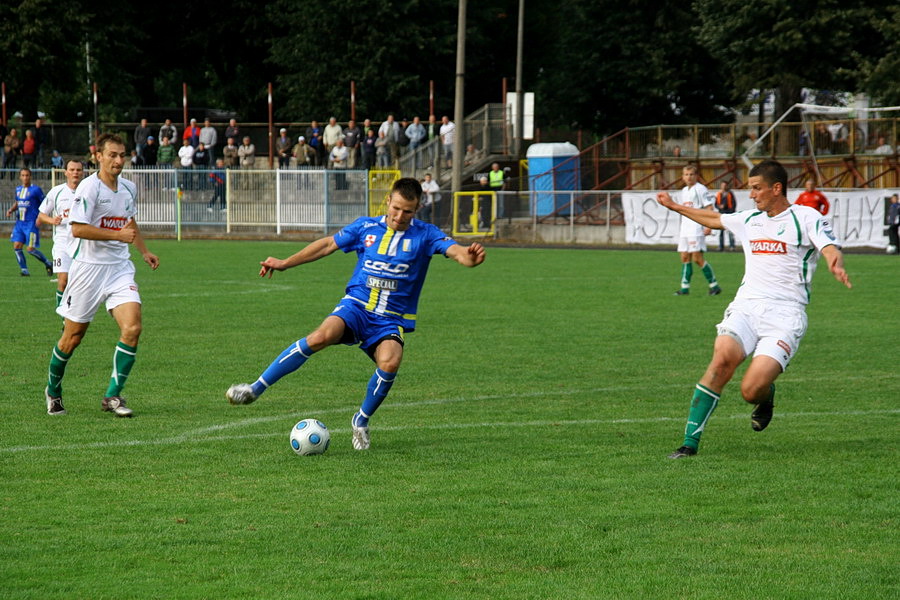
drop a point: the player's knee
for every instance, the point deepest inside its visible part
(131, 333)
(753, 391)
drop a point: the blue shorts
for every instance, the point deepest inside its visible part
(366, 328)
(26, 233)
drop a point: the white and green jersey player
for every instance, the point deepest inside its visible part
(767, 319)
(54, 210)
(691, 235)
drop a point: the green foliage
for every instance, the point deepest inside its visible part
(521, 453)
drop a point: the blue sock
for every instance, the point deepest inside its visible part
(287, 362)
(40, 256)
(20, 256)
(379, 386)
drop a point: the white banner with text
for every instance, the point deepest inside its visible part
(857, 215)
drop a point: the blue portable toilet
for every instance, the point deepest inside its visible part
(553, 167)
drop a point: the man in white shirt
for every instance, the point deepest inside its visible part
(448, 131)
(209, 138)
(102, 227)
(782, 243)
(430, 197)
(54, 210)
(692, 235)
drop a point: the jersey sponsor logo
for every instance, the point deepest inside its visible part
(370, 239)
(381, 284)
(768, 247)
(407, 244)
(385, 267)
(367, 225)
(114, 223)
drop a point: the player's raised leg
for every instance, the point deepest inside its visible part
(291, 358)
(758, 388)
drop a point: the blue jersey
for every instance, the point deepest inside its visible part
(28, 203)
(391, 265)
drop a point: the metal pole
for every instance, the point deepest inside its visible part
(3, 121)
(184, 105)
(352, 100)
(96, 116)
(520, 118)
(431, 97)
(458, 109)
(271, 125)
(505, 126)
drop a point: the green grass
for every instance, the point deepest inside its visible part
(521, 453)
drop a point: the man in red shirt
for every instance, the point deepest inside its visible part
(813, 198)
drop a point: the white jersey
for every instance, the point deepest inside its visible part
(58, 203)
(95, 204)
(696, 196)
(780, 252)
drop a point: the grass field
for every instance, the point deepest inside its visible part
(521, 453)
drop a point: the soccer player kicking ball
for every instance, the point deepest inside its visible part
(767, 317)
(393, 252)
(102, 226)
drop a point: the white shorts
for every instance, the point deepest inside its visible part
(90, 284)
(62, 260)
(765, 328)
(692, 244)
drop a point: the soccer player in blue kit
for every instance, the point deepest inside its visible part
(394, 252)
(26, 232)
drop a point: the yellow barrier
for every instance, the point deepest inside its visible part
(380, 182)
(466, 218)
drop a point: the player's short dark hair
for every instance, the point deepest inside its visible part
(24, 169)
(108, 138)
(409, 188)
(772, 172)
(74, 160)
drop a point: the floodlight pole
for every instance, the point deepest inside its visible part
(520, 118)
(271, 126)
(458, 110)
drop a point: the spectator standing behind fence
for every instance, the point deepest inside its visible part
(338, 157)
(186, 154)
(314, 139)
(166, 154)
(151, 152)
(28, 149)
(352, 141)
(141, 133)
(210, 139)
(192, 134)
(247, 153)
(201, 157)
(430, 198)
(56, 160)
(368, 149)
(41, 140)
(813, 198)
(725, 204)
(432, 132)
(3, 133)
(893, 224)
(415, 133)
(303, 154)
(283, 149)
(391, 130)
(333, 132)
(217, 179)
(382, 151)
(11, 145)
(883, 147)
(402, 140)
(167, 130)
(448, 132)
(230, 154)
(233, 130)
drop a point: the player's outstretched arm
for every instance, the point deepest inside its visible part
(467, 256)
(707, 218)
(835, 260)
(316, 250)
(45, 219)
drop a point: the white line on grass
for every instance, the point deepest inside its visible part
(198, 434)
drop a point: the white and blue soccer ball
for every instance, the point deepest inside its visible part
(310, 436)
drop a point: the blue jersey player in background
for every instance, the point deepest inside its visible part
(393, 253)
(26, 231)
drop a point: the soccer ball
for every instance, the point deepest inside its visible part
(310, 436)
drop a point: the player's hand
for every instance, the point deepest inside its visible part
(57, 220)
(841, 275)
(707, 231)
(270, 265)
(665, 199)
(476, 251)
(152, 260)
(128, 233)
